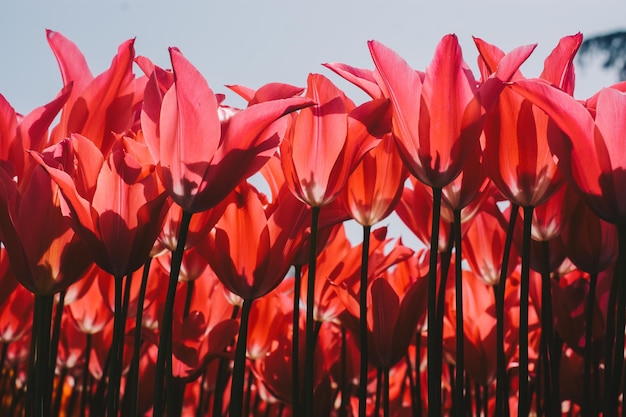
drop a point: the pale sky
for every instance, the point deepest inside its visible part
(255, 42)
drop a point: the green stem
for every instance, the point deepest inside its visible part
(502, 383)
(418, 373)
(553, 403)
(460, 352)
(407, 360)
(56, 332)
(42, 381)
(363, 321)
(117, 349)
(386, 392)
(434, 334)
(588, 354)
(175, 406)
(133, 377)
(620, 318)
(344, 388)
(295, 342)
(309, 364)
(379, 389)
(58, 395)
(86, 389)
(524, 397)
(165, 341)
(236, 394)
(31, 384)
(222, 376)
(610, 340)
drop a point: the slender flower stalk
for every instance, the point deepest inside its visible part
(165, 341)
(363, 321)
(524, 390)
(309, 364)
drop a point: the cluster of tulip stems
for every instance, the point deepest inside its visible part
(143, 272)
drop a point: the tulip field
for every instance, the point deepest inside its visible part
(166, 253)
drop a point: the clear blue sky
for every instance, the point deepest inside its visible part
(254, 42)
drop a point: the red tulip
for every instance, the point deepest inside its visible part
(328, 140)
(16, 315)
(89, 312)
(249, 250)
(19, 133)
(415, 209)
(339, 269)
(117, 204)
(484, 244)
(590, 242)
(516, 153)
(438, 115)
(375, 186)
(45, 253)
(101, 106)
(392, 320)
(202, 157)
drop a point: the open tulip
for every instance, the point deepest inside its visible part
(202, 156)
(251, 252)
(590, 157)
(328, 141)
(98, 107)
(517, 158)
(116, 204)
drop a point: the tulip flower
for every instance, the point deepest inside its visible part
(438, 117)
(116, 205)
(251, 252)
(591, 160)
(517, 156)
(391, 321)
(194, 148)
(203, 152)
(98, 107)
(325, 145)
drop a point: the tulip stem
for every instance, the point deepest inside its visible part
(222, 376)
(131, 391)
(620, 318)
(524, 397)
(434, 333)
(86, 388)
(385, 374)
(363, 321)
(39, 374)
(344, 387)
(239, 369)
(117, 350)
(460, 353)
(418, 373)
(588, 354)
(295, 342)
(56, 332)
(309, 365)
(165, 341)
(609, 338)
(547, 326)
(502, 383)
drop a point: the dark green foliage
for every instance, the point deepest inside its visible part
(610, 46)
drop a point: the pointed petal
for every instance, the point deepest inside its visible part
(190, 130)
(385, 314)
(72, 63)
(362, 78)
(559, 65)
(404, 87)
